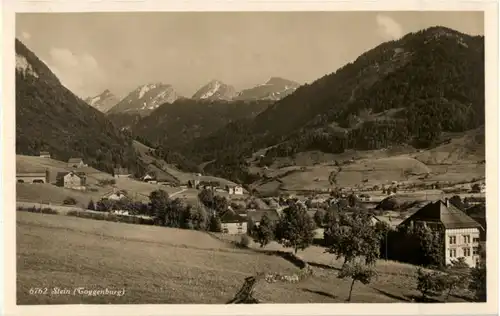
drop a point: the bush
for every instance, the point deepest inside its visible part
(48, 210)
(69, 201)
(244, 241)
(34, 209)
(430, 283)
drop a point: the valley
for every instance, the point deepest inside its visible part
(313, 189)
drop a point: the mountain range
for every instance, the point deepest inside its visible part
(414, 92)
(146, 98)
(411, 91)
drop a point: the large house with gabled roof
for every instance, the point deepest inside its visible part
(460, 231)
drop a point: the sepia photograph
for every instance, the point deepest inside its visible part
(251, 158)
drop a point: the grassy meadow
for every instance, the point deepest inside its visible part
(158, 265)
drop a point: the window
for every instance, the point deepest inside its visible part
(452, 240)
(466, 252)
(466, 239)
(453, 253)
(475, 251)
(475, 240)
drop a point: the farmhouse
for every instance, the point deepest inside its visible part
(254, 217)
(236, 190)
(460, 232)
(72, 180)
(149, 178)
(44, 154)
(34, 176)
(121, 173)
(76, 163)
(233, 223)
(115, 196)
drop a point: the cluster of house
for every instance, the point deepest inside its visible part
(69, 179)
(463, 235)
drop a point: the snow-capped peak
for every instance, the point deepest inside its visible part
(215, 85)
(104, 101)
(147, 97)
(215, 90)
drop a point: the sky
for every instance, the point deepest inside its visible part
(91, 52)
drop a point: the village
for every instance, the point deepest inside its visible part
(461, 213)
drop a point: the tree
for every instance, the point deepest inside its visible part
(430, 283)
(431, 247)
(158, 205)
(174, 213)
(264, 233)
(319, 217)
(215, 224)
(104, 205)
(206, 197)
(353, 236)
(457, 276)
(356, 271)
(220, 204)
(477, 283)
(195, 218)
(91, 205)
(69, 201)
(295, 228)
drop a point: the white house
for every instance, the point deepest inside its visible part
(460, 231)
(44, 154)
(236, 190)
(233, 224)
(149, 179)
(72, 180)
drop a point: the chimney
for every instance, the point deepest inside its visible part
(447, 202)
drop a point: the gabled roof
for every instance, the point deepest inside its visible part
(231, 217)
(37, 171)
(257, 215)
(63, 174)
(438, 212)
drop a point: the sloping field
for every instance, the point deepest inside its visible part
(48, 193)
(462, 149)
(33, 163)
(361, 172)
(161, 265)
(183, 177)
(139, 190)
